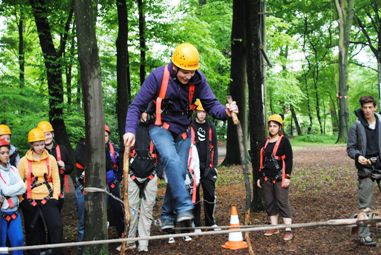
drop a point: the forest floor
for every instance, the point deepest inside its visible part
(324, 187)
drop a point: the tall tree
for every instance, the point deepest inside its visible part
(142, 40)
(345, 13)
(255, 79)
(123, 96)
(95, 205)
(20, 26)
(238, 85)
(370, 25)
(52, 61)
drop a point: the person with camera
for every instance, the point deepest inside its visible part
(275, 174)
(364, 147)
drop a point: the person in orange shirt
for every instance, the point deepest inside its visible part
(38, 169)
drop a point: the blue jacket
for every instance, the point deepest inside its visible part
(178, 95)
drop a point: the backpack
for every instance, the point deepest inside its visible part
(143, 158)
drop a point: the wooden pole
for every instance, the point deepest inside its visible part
(127, 215)
(245, 171)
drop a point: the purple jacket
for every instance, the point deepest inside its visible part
(178, 94)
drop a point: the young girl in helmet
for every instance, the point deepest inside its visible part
(11, 186)
(61, 154)
(275, 172)
(5, 133)
(39, 171)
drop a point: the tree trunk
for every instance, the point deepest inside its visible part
(69, 68)
(238, 85)
(123, 96)
(256, 92)
(201, 2)
(142, 41)
(317, 99)
(52, 60)
(297, 126)
(20, 26)
(333, 113)
(345, 13)
(379, 76)
(95, 203)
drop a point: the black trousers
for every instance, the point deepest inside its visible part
(115, 211)
(276, 199)
(43, 224)
(208, 182)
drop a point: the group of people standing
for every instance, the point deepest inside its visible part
(32, 183)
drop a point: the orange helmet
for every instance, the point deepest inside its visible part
(3, 142)
(45, 126)
(186, 57)
(36, 135)
(277, 118)
(5, 130)
(107, 129)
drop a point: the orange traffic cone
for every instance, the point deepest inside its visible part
(235, 238)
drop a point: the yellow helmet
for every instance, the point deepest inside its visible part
(277, 118)
(199, 105)
(5, 130)
(45, 126)
(36, 135)
(186, 57)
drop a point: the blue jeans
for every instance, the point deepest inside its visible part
(174, 157)
(12, 230)
(80, 200)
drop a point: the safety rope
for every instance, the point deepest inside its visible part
(252, 228)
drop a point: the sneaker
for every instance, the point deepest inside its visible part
(198, 231)
(143, 249)
(166, 225)
(216, 227)
(171, 240)
(186, 216)
(367, 241)
(288, 236)
(130, 246)
(187, 238)
(271, 232)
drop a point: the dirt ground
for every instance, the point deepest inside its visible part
(323, 187)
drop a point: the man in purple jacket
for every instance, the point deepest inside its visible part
(170, 133)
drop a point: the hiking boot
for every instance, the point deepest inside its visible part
(367, 241)
(271, 232)
(187, 238)
(288, 236)
(171, 240)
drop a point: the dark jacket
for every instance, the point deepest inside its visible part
(357, 142)
(178, 96)
(283, 149)
(206, 164)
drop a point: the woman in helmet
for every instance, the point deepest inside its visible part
(11, 186)
(61, 154)
(178, 84)
(40, 173)
(275, 172)
(5, 133)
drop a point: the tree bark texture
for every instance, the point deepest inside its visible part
(256, 92)
(123, 96)
(345, 14)
(20, 26)
(52, 61)
(95, 203)
(142, 41)
(238, 85)
(294, 117)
